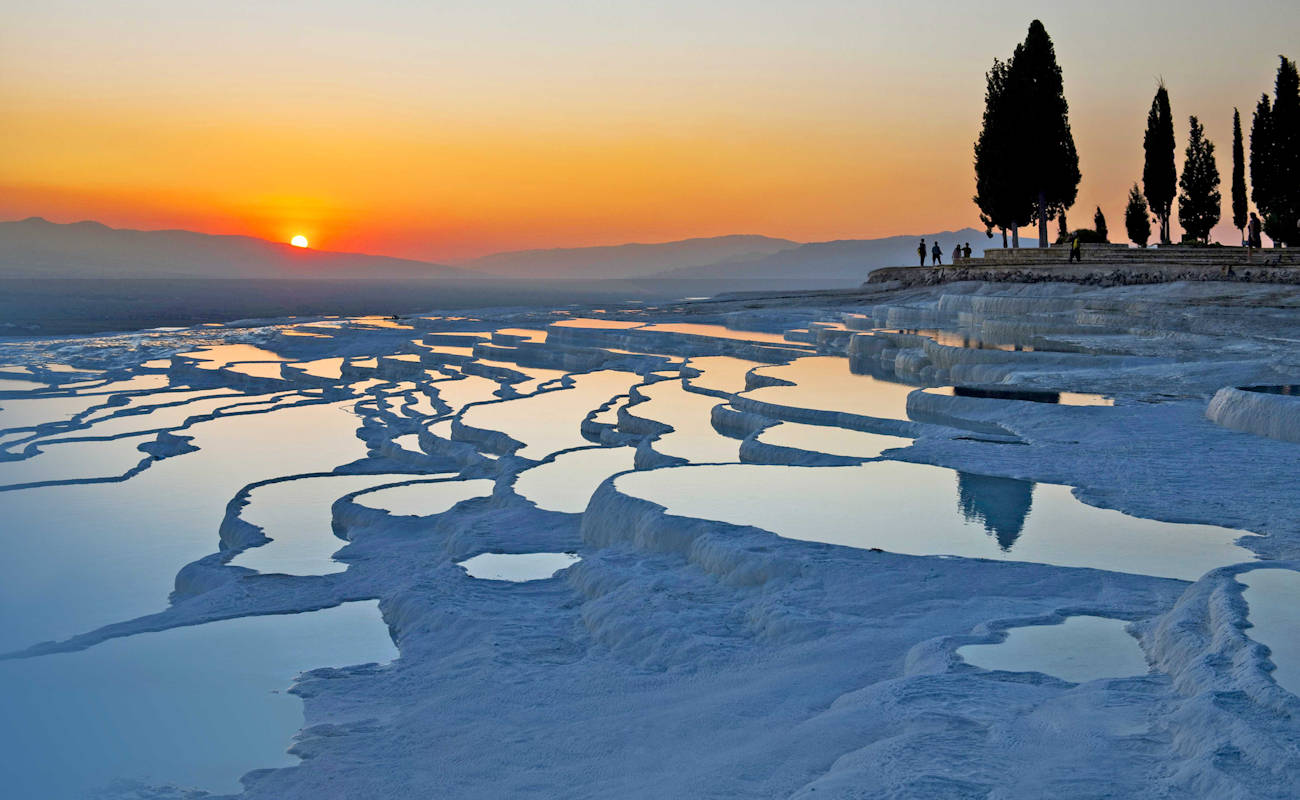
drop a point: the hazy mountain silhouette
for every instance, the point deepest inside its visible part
(843, 260)
(38, 248)
(625, 260)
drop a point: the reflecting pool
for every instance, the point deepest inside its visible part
(1082, 648)
(517, 567)
(1274, 597)
(197, 706)
(923, 510)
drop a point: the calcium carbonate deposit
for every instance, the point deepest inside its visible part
(963, 541)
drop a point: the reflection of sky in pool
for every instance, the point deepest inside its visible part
(923, 510)
(517, 567)
(196, 706)
(296, 516)
(1274, 597)
(567, 483)
(562, 409)
(835, 441)
(692, 437)
(825, 383)
(101, 553)
(1082, 648)
(424, 499)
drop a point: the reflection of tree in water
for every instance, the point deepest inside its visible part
(999, 504)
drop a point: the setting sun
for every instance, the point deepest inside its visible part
(298, 241)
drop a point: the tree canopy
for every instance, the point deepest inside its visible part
(1137, 223)
(1001, 203)
(1159, 175)
(1026, 165)
(1239, 207)
(1199, 202)
(1275, 157)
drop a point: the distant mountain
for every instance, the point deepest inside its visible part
(625, 260)
(38, 248)
(836, 262)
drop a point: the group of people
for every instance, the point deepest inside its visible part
(936, 253)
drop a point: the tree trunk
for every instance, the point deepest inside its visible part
(1004, 238)
(1015, 235)
(1042, 218)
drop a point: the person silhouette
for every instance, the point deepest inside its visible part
(936, 254)
(956, 253)
(965, 252)
(920, 251)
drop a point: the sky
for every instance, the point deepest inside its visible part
(447, 130)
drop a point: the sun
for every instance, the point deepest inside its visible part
(298, 241)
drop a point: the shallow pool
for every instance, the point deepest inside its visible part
(197, 706)
(1082, 648)
(923, 510)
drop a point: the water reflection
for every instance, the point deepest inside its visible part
(1289, 389)
(1001, 505)
(1082, 648)
(1273, 596)
(911, 509)
(1029, 395)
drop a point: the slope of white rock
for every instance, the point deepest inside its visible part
(777, 546)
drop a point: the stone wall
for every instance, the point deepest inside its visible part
(1088, 273)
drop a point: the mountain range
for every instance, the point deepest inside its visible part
(38, 248)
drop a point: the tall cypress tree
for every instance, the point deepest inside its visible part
(1046, 145)
(1261, 157)
(1239, 208)
(1026, 166)
(1159, 175)
(1284, 215)
(1199, 202)
(1275, 157)
(1136, 219)
(998, 194)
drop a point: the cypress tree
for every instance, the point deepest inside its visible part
(1239, 208)
(1046, 145)
(1275, 157)
(1199, 202)
(1099, 225)
(1062, 229)
(1261, 157)
(1284, 215)
(1159, 175)
(1136, 221)
(1001, 202)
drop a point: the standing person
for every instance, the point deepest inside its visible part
(1076, 250)
(920, 251)
(956, 253)
(936, 254)
(965, 252)
(1253, 238)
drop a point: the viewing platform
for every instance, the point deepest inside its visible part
(1108, 265)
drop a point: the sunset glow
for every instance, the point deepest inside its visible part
(643, 122)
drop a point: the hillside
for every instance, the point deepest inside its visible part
(38, 248)
(844, 260)
(626, 260)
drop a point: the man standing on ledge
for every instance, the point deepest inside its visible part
(936, 255)
(920, 251)
(1076, 251)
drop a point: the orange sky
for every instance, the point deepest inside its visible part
(443, 133)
